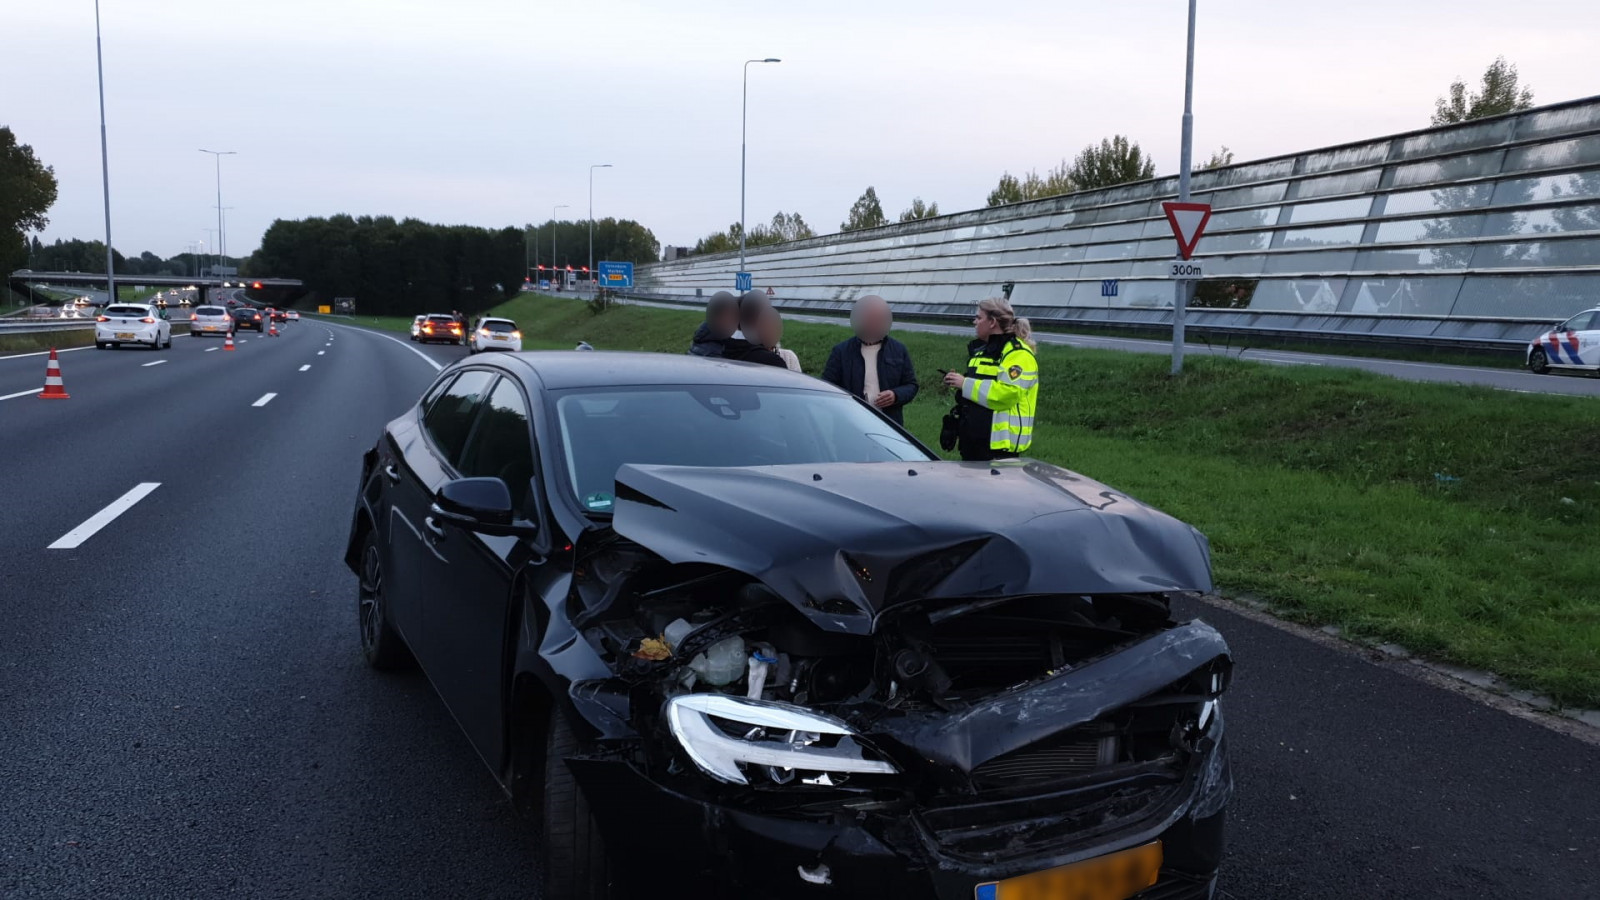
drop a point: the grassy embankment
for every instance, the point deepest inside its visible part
(1458, 522)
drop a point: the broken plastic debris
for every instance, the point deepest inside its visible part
(818, 875)
(653, 649)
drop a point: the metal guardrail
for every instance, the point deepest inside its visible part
(28, 326)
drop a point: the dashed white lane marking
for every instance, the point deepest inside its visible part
(104, 517)
(149, 364)
(212, 349)
(320, 352)
(22, 394)
(265, 399)
(305, 367)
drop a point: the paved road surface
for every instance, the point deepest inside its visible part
(184, 712)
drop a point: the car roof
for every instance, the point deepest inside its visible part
(561, 369)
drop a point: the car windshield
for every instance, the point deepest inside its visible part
(501, 327)
(135, 311)
(713, 425)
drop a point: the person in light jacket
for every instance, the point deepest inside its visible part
(872, 365)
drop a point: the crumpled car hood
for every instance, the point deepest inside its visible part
(844, 541)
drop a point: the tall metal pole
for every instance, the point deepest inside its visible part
(105, 164)
(556, 277)
(591, 215)
(222, 236)
(744, 117)
(1183, 291)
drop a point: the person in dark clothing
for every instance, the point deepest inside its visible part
(873, 365)
(740, 345)
(722, 320)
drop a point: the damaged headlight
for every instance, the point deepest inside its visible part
(719, 733)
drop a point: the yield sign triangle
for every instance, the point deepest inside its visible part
(1188, 221)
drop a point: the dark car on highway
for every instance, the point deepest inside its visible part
(726, 626)
(247, 317)
(278, 315)
(439, 327)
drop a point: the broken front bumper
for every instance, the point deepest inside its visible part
(935, 849)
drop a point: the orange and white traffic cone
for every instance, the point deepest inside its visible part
(53, 389)
(272, 330)
(228, 344)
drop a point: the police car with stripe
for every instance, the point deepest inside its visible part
(1574, 344)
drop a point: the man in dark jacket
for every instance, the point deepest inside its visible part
(873, 365)
(741, 345)
(722, 320)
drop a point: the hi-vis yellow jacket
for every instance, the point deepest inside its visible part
(1002, 379)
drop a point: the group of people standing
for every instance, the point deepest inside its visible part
(996, 393)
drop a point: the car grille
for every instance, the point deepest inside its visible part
(1064, 755)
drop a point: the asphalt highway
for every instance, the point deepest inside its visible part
(184, 711)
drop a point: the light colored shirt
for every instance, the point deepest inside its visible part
(789, 359)
(869, 355)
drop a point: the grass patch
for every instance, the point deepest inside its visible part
(32, 341)
(1454, 520)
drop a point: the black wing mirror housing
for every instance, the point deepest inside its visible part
(482, 505)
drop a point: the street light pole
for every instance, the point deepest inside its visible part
(744, 116)
(222, 236)
(1183, 291)
(105, 164)
(555, 276)
(591, 214)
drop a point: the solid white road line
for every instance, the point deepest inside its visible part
(22, 394)
(437, 366)
(149, 364)
(212, 349)
(265, 399)
(45, 352)
(305, 367)
(104, 517)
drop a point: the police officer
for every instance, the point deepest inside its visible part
(999, 391)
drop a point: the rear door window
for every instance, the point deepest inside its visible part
(448, 420)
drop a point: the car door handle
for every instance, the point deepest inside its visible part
(434, 527)
(392, 473)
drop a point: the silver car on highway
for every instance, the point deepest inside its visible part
(210, 320)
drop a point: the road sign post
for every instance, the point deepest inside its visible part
(1183, 290)
(616, 275)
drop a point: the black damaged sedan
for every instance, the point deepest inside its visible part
(725, 627)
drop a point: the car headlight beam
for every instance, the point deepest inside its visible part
(769, 734)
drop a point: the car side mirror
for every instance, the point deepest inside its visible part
(482, 505)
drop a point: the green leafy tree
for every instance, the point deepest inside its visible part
(1009, 190)
(27, 191)
(1498, 92)
(1032, 186)
(1115, 160)
(866, 213)
(1223, 157)
(790, 227)
(920, 210)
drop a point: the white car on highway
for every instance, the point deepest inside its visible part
(1574, 344)
(494, 334)
(132, 323)
(210, 320)
(416, 326)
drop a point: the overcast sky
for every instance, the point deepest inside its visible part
(489, 112)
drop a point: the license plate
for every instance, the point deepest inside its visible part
(500, 337)
(1115, 876)
(209, 327)
(124, 335)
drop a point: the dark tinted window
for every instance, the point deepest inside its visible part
(500, 326)
(502, 443)
(127, 311)
(449, 420)
(210, 311)
(441, 320)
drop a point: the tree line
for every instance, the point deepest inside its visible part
(399, 267)
(73, 255)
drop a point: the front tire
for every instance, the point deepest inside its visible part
(1538, 362)
(576, 866)
(382, 646)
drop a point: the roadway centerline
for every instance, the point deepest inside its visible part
(320, 352)
(305, 367)
(104, 517)
(212, 349)
(265, 399)
(149, 364)
(38, 390)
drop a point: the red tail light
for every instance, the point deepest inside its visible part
(194, 317)
(456, 328)
(148, 321)
(101, 319)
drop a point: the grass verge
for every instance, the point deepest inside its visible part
(32, 341)
(1456, 521)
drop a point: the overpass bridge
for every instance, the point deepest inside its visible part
(1473, 235)
(23, 279)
